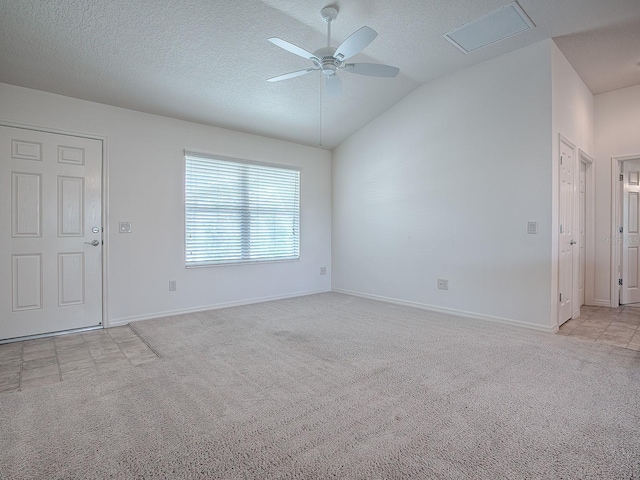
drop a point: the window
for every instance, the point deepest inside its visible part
(238, 211)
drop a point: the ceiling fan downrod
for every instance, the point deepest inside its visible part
(328, 63)
(329, 14)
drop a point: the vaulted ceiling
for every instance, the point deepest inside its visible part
(207, 61)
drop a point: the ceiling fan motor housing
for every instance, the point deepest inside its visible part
(328, 63)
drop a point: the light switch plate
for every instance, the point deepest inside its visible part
(532, 228)
(125, 227)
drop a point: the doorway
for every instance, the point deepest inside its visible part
(625, 231)
(51, 235)
(585, 285)
(576, 230)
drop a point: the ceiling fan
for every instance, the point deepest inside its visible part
(329, 60)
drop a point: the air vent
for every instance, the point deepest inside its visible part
(490, 28)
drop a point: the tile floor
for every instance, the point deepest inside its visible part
(612, 326)
(32, 363)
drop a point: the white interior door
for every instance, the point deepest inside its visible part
(566, 231)
(582, 241)
(51, 232)
(630, 290)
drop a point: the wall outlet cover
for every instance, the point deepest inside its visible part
(125, 227)
(443, 284)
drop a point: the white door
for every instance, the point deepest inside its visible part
(50, 232)
(630, 290)
(565, 274)
(582, 241)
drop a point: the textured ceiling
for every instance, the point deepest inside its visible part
(607, 58)
(207, 61)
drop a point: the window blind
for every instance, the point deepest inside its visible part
(237, 211)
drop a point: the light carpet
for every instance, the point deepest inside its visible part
(335, 386)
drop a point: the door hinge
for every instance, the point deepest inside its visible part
(621, 177)
(561, 229)
(619, 281)
(620, 229)
(561, 298)
(561, 159)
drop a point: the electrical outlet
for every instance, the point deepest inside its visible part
(172, 285)
(532, 228)
(443, 284)
(125, 227)
(323, 270)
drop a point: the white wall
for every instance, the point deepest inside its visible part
(573, 117)
(573, 104)
(617, 133)
(442, 186)
(146, 187)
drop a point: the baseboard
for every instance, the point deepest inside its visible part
(599, 303)
(124, 321)
(451, 311)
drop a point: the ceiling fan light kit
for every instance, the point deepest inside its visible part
(329, 60)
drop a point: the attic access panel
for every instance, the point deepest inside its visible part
(502, 23)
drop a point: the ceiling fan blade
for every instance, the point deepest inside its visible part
(334, 86)
(372, 69)
(290, 47)
(355, 43)
(287, 76)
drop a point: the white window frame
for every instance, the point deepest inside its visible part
(242, 251)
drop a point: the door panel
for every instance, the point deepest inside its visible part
(566, 233)
(26, 284)
(70, 207)
(50, 211)
(70, 279)
(26, 204)
(630, 291)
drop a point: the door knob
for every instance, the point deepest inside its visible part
(95, 243)
(573, 242)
